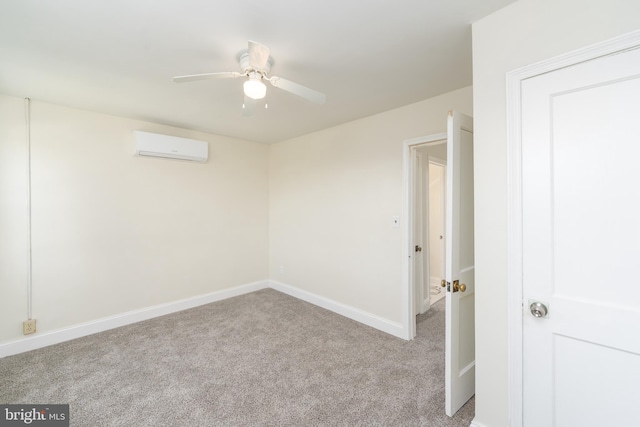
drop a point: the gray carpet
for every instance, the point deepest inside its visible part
(263, 358)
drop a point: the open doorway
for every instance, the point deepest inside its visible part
(429, 222)
(436, 227)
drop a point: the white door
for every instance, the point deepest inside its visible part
(460, 325)
(581, 243)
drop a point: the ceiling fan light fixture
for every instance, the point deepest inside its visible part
(255, 64)
(254, 88)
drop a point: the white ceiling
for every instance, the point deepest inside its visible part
(118, 57)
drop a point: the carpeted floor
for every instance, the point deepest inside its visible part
(263, 358)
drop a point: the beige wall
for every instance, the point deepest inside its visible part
(13, 219)
(332, 197)
(524, 33)
(113, 232)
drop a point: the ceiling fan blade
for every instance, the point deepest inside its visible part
(207, 76)
(258, 55)
(249, 106)
(298, 89)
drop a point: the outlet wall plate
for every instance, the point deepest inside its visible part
(29, 326)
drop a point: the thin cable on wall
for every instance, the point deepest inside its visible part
(27, 112)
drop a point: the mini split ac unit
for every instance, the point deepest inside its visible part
(170, 147)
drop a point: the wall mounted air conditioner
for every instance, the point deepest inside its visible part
(170, 147)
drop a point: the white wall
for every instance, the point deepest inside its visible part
(113, 232)
(332, 197)
(523, 33)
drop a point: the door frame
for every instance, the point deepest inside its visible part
(408, 202)
(514, 201)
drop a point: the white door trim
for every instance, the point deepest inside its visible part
(408, 315)
(514, 200)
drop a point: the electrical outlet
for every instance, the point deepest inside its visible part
(29, 326)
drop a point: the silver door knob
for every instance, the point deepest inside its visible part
(538, 309)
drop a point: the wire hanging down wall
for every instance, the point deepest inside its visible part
(27, 112)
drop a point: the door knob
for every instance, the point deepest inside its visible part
(457, 286)
(443, 283)
(538, 309)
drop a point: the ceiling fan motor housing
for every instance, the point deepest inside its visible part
(246, 68)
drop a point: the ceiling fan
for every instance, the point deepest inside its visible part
(255, 64)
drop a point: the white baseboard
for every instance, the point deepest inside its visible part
(353, 313)
(475, 423)
(99, 325)
(104, 324)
